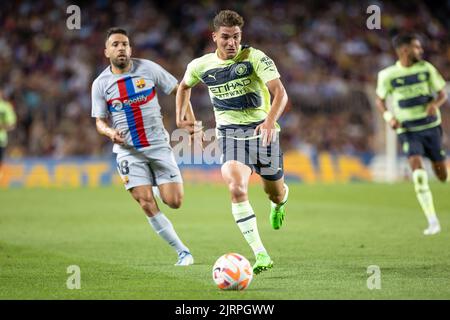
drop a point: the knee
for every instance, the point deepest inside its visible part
(174, 201)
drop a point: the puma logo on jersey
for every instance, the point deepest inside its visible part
(211, 76)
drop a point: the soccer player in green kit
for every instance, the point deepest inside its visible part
(240, 81)
(8, 121)
(417, 91)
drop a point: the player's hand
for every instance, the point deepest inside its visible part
(268, 132)
(187, 125)
(198, 136)
(195, 130)
(116, 137)
(431, 109)
(394, 123)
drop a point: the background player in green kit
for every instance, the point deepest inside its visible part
(412, 83)
(7, 123)
(240, 80)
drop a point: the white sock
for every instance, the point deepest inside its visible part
(424, 195)
(246, 220)
(164, 228)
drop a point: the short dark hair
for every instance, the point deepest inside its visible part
(115, 30)
(404, 39)
(227, 18)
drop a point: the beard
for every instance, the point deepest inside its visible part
(415, 58)
(121, 63)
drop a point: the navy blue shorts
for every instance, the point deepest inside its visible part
(427, 143)
(2, 153)
(266, 161)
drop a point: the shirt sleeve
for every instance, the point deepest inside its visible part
(191, 76)
(437, 82)
(163, 79)
(383, 86)
(99, 107)
(264, 66)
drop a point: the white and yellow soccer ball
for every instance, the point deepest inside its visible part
(232, 271)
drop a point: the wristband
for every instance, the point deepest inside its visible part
(388, 116)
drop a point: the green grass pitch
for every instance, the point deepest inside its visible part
(331, 235)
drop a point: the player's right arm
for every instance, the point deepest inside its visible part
(387, 115)
(104, 129)
(383, 90)
(185, 117)
(99, 112)
(183, 106)
(185, 113)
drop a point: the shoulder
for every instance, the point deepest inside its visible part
(254, 51)
(101, 77)
(145, 63)
(202, 64)
(257, 56)
(427, 64)
(203, 60)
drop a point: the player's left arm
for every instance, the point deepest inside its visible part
(437, 84)
(267, 128)
(434, 105)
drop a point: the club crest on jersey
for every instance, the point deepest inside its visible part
(140, 83)
(240, 69)
(117, 105)
(422, 76)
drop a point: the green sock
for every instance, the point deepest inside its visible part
(424, 195)
(246, 220)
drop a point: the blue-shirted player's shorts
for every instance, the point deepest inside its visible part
(427, 143)
(266, 161)
(154, 166)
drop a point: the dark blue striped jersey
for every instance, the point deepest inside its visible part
(237, 87)
(411, 89)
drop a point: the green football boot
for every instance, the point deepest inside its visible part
(263, 263)
(278, 211)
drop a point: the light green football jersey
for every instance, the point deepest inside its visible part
(411, 89)
(7, 118)
(237, 87)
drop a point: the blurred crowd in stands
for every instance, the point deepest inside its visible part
(327, 57)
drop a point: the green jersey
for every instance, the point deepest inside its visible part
(7, 118)
(411, 88)
(237, 87)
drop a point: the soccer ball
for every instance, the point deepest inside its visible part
(232, 271)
